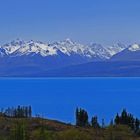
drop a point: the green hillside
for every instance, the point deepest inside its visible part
(123, 127)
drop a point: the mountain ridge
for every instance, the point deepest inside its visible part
(20, 47)
(21, 58)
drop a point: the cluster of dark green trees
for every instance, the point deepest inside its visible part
(124, 118)
(18, 112)
(82, 119)
(127, 119)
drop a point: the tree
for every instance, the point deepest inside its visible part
(117, 119)
(19, 112)
(77, 117)
(30, 112)
(94, 122)
(81, 117)
(137, 125)
(127, 119)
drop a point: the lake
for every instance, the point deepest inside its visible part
(58, 98)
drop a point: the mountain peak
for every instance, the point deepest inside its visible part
(134, 47)
(68, 41)
(16, 42)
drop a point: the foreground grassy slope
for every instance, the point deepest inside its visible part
(43, 129)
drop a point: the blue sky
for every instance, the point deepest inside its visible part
(103, 21)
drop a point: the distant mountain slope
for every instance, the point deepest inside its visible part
(21, 57)
(97, 69)
(132, 53)
(108, 51)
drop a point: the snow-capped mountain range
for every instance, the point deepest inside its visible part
(68, 58)
(67, 47)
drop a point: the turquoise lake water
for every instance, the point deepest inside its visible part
(58, 98)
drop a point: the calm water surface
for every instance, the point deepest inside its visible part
(58, 98)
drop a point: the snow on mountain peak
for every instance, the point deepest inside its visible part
(36, 48)
(116, 48)
(19, 47)
(16, 42)
(68, 40)
(106, 52)
(134, 47)
(100, 51)
(13, 46)
(67, 47)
